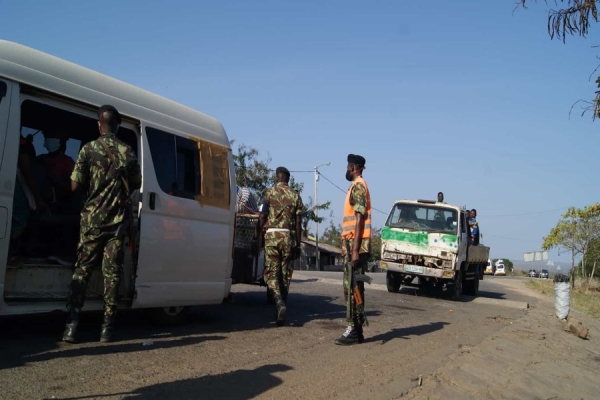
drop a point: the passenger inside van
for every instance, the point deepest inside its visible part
(43, 237)
(54, 174)
(27, 198)
(56, 231)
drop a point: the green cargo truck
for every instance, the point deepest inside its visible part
(429, 241)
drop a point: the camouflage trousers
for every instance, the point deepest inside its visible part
(98, 247)
(278, 252)
(361, 268)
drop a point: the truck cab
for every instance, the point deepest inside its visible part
(429, 241)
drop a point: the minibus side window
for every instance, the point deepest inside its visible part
(176, 163)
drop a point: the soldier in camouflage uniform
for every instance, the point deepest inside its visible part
(280, 215)
(356, 244)
(110, 172)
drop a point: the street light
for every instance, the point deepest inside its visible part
(318, 261)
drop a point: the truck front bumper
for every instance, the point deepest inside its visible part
(416, 270)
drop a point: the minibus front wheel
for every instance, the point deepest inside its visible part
(168, 315)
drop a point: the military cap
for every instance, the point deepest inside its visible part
(356, 160)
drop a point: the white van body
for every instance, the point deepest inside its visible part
(185, 236)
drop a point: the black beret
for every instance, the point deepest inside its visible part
(282, 170)
(356, 160)
(111, 109)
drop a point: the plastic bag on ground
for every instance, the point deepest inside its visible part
(562, 299)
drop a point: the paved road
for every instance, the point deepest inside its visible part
(234, 351)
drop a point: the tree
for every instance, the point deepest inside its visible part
(375, 244)
(593, 256)
(577, 231)
(507, 263)
(574, 19)
(332, 234)
(253, 172)
(250, 170)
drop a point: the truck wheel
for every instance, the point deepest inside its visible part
(457, 287)
(392, 282)
(168, 315)
(475, 288)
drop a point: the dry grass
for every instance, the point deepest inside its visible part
(583, 300)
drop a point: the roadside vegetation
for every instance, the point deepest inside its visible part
(585, 298)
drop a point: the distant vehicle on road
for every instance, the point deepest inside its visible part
(532, 273)
(544, 274)
(490, 268)
(500, 270)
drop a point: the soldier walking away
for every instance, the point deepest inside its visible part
(356, 245)
(281, 215)
(109, 170)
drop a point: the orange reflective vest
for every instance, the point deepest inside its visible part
(349, 221)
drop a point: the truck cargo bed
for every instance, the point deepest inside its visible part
(478, 254)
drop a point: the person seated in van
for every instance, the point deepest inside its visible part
(56, 180)
(27, 198)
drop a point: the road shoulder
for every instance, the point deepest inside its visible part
(532, 357)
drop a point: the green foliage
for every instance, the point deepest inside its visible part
(254, 172)
(332, 234)
(574, 19)
(250, 170)
(592, 259)
(375, 244)
(578, 231)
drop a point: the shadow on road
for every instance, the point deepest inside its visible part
(29, 339)
(308, 280)
(403, 333)
(240, 384)
(445, 294)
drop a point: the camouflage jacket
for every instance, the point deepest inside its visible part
(358, 199)
(95, 171)
(283, 204)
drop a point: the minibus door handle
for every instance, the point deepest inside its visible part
(152, 200)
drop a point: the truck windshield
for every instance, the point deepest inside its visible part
(423, 218)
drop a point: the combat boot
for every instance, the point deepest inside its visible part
(359, 332)
(106, 335)
(281, 310)
(71, 329)
(350, 337)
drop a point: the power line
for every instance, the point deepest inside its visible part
(522, 214)
(511, 238)
(270, 170)
(345, 191)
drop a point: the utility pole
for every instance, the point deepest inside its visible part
(318, 256)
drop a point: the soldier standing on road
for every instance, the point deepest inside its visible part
(109, 170)
(280, 214)
(356, 244)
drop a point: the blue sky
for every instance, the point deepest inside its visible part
(463, 97)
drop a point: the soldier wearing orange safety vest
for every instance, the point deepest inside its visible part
(356, 244)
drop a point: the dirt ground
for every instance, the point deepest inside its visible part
(489, 347)
(530, 358)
